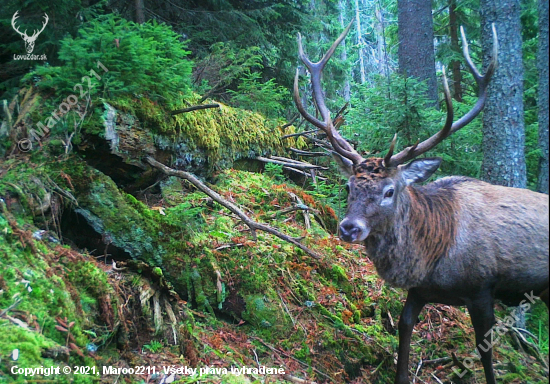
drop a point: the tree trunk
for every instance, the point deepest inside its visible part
(542, 62)
(416, 42)
(503, 125)
(455, 64)
(347, 88)
(360, 43)
(140, 17)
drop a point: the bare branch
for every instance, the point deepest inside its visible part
(194, 108)
(294, 163)
(307, 153)
(299, 134)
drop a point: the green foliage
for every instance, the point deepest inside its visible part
(537, 323)
(265, 98)
(228, 133)
(330, 194)
(529, 20)
(275, 171)
(154, 346)
(140, 58)
(185, 215)
(224, 64)
(271, 26)
(400, 107)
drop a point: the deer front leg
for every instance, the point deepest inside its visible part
(411, 310)
(483, 318)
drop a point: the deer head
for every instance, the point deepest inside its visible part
(376, 184)
(29, 40)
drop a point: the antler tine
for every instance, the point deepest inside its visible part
(482, 81)
(388, 156)
(15, 17)
(449, 128)
(36, 33)
(315, 69)
(312, 119)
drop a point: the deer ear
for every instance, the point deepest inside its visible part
(419, 170)
(345, 165)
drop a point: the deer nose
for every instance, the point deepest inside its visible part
(353, 231)
(348, 231)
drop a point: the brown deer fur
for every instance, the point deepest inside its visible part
(456, 241)
(456, 227)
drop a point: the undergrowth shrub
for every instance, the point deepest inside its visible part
(147, 58)
(265, 98)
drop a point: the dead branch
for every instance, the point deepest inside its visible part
(459, 364)
(306, 174)
(436, 379)
(296, 116)
(297, 380)
(441, 360)
(287, 160)
(291, 163)
(307, 153)
(342, 110)
(292, 209)
(531, 345)
(305, 209)
(194, 108)
(279, 351)
(320, 143)
(232, 207)
(15, 304)
(298, 134)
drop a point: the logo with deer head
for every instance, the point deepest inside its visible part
(29, 40)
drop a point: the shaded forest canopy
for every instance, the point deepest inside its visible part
(105, 261)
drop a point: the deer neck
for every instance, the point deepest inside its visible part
(421, 232)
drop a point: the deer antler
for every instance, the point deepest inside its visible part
(339, 144)
(35, 34)
(449, 128)
(43, 26)
(15, 16)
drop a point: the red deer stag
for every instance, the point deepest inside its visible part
(456, 241)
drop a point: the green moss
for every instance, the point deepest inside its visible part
(264, 312)
(29, 283)
(201, 298)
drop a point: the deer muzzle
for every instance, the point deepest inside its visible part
(353, 230)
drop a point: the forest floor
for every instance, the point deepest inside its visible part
(165, 280)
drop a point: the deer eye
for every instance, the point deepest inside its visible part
(389, 193)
